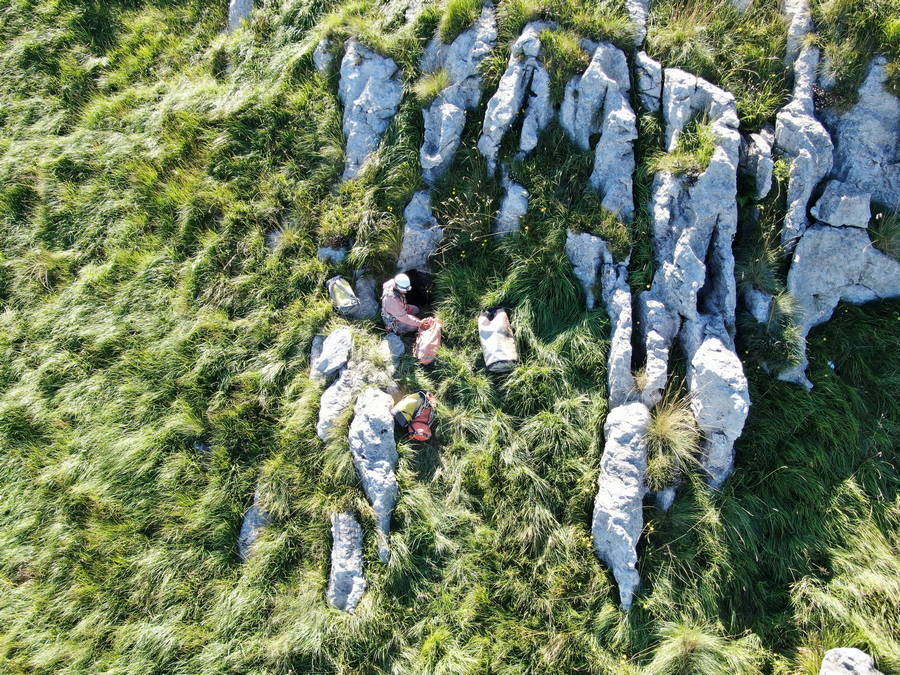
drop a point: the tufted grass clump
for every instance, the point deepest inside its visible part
(673, 441)
(693, 151)
(430, 85)
(742, 52)
(884, 229)
(564, 58)
(459, 15)
(851, 33)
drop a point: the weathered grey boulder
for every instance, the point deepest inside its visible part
(867, 139)
(804, 141)
(498, 345)
(720, 399)
(238, 10)
(830, 265)
(597, 101)
(842, 204)
(255, 520)
(618, 517)
(800, 23)
(638, 12)
(585, 94)
(848, 661)
(525, 76)
(594, 264)
(538, 110)
(513, 206)
(392, 349)
(375, 457)
(315, 353)
(323, 56)
(756, 161)
(370, 90)
(614, 156)
(585, 251)
(659, 326)
(346, 583)
(365, 290)
(742, 5)
(446, 116)
(337, 398)
(421, 233)
(333, 354)
(649, 81)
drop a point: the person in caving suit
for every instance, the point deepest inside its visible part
(398, 315)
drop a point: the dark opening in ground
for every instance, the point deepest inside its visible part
(422, 292)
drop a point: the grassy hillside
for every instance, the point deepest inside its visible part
(144, 159)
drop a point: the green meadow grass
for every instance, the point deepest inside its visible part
(144, 158)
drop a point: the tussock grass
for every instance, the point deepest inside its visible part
(459, 15)
(692, 153)
(743, 52)
(884, 229)
(430, 85)
(851, 34)
(673, 441)
(564, 58)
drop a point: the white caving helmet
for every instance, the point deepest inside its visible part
(402, 282)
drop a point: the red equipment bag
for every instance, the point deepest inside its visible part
(420, 427)
(428, 341)
(416, 412)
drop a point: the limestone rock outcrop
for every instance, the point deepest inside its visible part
(365, 289)
(375, 457)
(756, 161)
(867, 139)
(446, 116)
(638, 12)
(238, 11)
(370, 90)
(802, 139)
(848, 661)
(255, 520)
(332, 355)
(346, 583)
(352, 379)
(832, 264)
(421, 233)
(323, 55)
(513, 206)
(800, 24)
(618, 509)
(842, 204)
(523, 89)
(693, 295)
(598, 101)
(649, 81)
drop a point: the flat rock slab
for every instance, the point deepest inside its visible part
(333, 354)
(831, 265)
(370, 90)
(346, 583)
(421, 234)
(375, 457)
